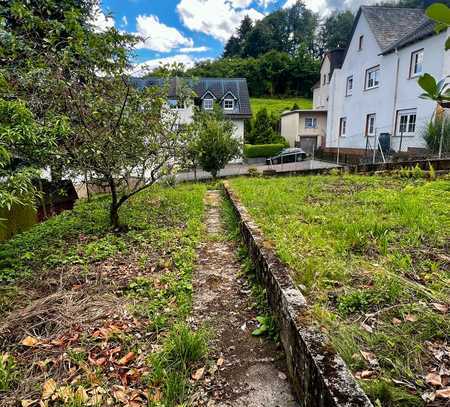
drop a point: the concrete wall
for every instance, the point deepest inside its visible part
(395, 92)
(290, 127)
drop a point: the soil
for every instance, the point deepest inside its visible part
(247, 370)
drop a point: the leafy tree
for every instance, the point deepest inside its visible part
(125, 137)
(295, 106)
(215, 142)
(335, 32)
(232, 48)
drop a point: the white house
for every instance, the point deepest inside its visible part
(374, 97)
(231, 94)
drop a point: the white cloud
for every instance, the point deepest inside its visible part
(193, 49)
(147, 66)
(325, 7)
(159, 37)
(124, 21)
(218, 18)
(100, 21)
(265, 3)
(240, 3)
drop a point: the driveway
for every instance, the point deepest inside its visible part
(242, 169)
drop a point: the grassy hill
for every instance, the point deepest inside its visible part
(279, 105)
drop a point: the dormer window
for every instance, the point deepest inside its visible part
(228, 104)
(208, 104)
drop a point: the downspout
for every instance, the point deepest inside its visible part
(394, 110)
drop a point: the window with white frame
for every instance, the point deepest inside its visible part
(349, 87)
(416, 67)
(228, 104)
(370, 125)
(406, 122)
(342, 126)
(310, 123)
(208, 104)
(373, 77)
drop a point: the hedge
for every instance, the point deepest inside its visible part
(262, 150)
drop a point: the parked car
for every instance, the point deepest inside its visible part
(288, 155)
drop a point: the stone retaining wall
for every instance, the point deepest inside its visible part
(318, 375)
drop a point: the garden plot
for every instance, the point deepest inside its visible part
(371, 254)
(89, 317)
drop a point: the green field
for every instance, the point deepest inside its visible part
(371, 256)
(278, 106)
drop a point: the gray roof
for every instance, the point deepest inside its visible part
(390, 24)
(218, 87)
(425, 29)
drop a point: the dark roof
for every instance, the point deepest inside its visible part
(336, 57)
(390, 24)
(426, 29)
(219, 87)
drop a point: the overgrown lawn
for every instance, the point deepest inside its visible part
(279, 105)
(89, 317)
(371, 254)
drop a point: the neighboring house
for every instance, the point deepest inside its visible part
(374, 97)
(307, 128)
(332, 60)
(231, 94)
(304, 128)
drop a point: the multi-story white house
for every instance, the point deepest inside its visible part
(374, 97)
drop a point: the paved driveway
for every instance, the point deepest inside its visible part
(242, 169)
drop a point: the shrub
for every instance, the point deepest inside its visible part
(432, 135)
(262, 150)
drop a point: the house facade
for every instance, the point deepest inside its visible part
(307, 128)
(304, 128)
(231, 94)
(374, 97)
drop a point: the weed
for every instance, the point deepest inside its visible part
(8, 372)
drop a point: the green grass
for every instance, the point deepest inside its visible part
(365, 249)
(278, 106)
(148, 269)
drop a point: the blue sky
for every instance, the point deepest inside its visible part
(191, 30)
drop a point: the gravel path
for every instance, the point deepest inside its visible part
(249, 371)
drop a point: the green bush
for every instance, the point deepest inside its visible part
(262, 150)
(432, 135)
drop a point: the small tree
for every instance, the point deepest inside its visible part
(262, 132)
(125, 137)
(215, 143)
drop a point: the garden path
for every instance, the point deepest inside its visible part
(248, 371)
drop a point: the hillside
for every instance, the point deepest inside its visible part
(279, 105)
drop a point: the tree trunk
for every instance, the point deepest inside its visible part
(114, 210)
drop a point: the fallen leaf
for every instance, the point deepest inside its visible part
(440, 307)
(126, 359)
(365, 374)
(27, 403)
(81, 394)
(410, 318)
(30, 341)
(98, 362)
(367, 328)
(220, 361)
(434, 379)
(282, 376)
(444, 393)
(198, 374)
(370, 357)
(120, 395)
(156, 396)
(48, 389)
(396, 321)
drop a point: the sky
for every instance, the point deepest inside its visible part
(191, 30)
